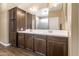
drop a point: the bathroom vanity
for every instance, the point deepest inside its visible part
(42, 34)
(44, 42)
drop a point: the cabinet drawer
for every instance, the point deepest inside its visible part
(59, 39)
(21, 35)
(40, 36)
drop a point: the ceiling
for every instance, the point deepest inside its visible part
(27, 5)
(38, 6)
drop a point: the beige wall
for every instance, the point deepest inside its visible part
(4, 24)
(78, 29)
(73, 29)
(0, 20)
(69, 15)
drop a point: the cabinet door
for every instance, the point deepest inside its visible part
(56, 48)
(21, 40)
(29, 21)
(12, 26)
(21, 19)
(40, 45)
(29, 42)
(12, 39)
(12, 14)
(12, 32)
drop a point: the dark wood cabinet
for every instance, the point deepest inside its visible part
(57, 46)
(44, 45)
(21, 40)
(12, 27)
(40, 44)
(16, 22)
(29, 42)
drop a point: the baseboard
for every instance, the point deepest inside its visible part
(4, 44)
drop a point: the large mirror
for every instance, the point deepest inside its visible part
(52, 16)
(49, 16)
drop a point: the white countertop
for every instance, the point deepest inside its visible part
(59, 33)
